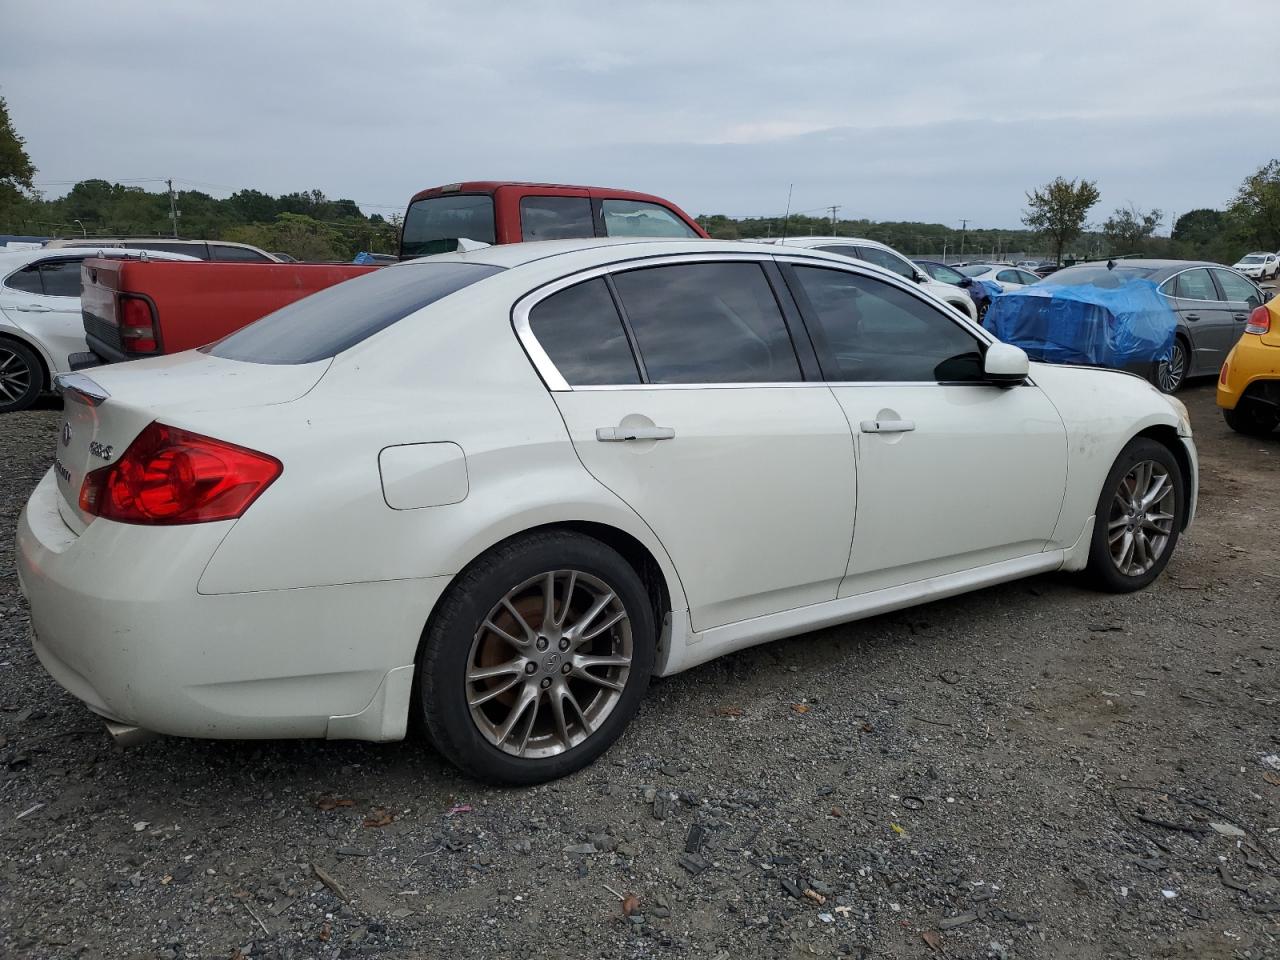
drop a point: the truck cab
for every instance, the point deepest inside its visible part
(501, 212)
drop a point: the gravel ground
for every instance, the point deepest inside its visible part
(1028, 771)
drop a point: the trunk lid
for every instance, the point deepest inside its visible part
(106, 408)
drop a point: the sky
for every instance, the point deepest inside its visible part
(925, 111)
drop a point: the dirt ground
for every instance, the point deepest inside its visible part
(1033, 770)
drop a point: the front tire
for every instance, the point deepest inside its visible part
(536, 658)
(21, 376)
(1251, 418)
(1172, 373)
(1138, 519)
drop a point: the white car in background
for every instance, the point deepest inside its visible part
(501, 489)
(882, 255)
(41, 330)
(1258, 266)
(1006, 276)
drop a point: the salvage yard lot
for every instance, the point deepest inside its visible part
(1026, 771)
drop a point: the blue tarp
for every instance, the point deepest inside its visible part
(1122, 324)
(363, 258)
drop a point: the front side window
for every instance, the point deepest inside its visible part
(1027, 278)
(1009, 276)
(436, 224)
(843, 250)
(26, 280)
(61, 277)
(1195, 285)
(556, 218)
(198, 250)
(707, 323)
(635, 218)
(890, 261)
(1237, 289)
(581, 331)
(337, 318)
(226, 253)
(874, 331)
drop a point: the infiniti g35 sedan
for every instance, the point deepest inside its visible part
(500, 490)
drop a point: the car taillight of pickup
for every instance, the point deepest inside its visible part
(141, 308)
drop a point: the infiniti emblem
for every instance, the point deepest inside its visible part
(551, 661)
(66, 434)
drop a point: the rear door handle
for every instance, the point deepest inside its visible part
(619, 434)
(35, 308)
(1239, 316)
(1192, 316)
(888, 426)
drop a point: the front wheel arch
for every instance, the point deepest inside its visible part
(1168, 437)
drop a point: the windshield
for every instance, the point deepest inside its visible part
(436, 224)
(337, 318)
(1254, 258)
(1097, 275)
(974, 269)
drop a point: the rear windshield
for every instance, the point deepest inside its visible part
(974, 269)
(1098, 276)
(436, 224)
(337, 318)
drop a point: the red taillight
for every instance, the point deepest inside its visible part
(137, 325)
(1259, 321)
(172, 476)
(1222, 374)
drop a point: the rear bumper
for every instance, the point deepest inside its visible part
(1251, 361)
(105, 352)
(117, 621)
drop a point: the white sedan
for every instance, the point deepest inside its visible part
(511, 485)
(41, 330)
(1006, 276)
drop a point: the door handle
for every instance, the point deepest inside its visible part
(888, 426)
(35, 308)
(1192, 316)
(619, 434)
(1238, 316)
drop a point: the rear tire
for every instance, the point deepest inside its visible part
(516, 691)
(1171, 374)
(1138, 518)
(1252, 418)
(21, 376)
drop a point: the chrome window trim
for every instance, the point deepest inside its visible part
(556, 382)
(1174, 276)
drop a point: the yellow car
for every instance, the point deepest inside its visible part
(1249, 385)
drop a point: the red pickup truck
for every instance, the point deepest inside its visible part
(143, 308)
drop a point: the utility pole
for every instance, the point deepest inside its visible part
(964, 225)
(834, 207)
(173, 208)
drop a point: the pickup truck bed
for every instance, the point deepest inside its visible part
(139, 308)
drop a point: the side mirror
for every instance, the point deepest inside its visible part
(1267, 295)
(1005, 365)
(967, 282)
(921, 277)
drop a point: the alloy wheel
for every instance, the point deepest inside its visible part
(1173, 370)
(1141, 519)
(549, 663)
(15, 376)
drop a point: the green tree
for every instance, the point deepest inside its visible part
(1058, 210)
(1129, 230)
(1256, 208)
(299, 236)
(16, 169)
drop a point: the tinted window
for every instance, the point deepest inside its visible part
(877, 332)
(199, 250)
(436, 224)
(338, 317)
(1236, 288)
(844, 250)
(1195, 285)
(634, 218)
(890, 261)
(226, 253)
(708, 323)
(1009, 276)
(1027, 277)
(556, 218)
(581, 332)
(61, 277)
(27, 280)
(946, 274)
(974, 269)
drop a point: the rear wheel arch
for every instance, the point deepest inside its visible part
(45, 373)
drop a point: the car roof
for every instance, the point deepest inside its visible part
(489, 186)
(1159, 266)
(12, 259)
(817, 241)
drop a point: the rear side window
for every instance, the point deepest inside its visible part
(26, 280)
(198, 250)
(707, 323)
(1009, 276)
(555, 218)
(635, 218)
(436, 224)
(225, 253)
(582, 333)
(61, 277)
(337, 318)
(843, 250)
